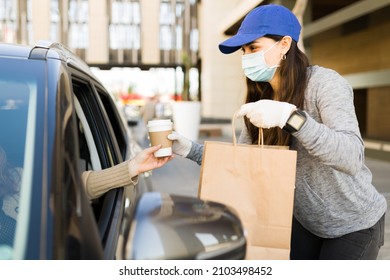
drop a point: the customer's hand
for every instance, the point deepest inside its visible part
(145, 161)
(181, 146)
(267, 113)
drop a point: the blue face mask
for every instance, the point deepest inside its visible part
(255, 67)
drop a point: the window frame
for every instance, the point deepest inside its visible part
(108, 208)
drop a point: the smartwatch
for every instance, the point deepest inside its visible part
(295, 121)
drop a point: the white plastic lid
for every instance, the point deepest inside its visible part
(154, 123)
(159, 125)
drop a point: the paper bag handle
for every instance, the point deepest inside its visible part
(261, 136)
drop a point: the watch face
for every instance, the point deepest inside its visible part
(296, 121)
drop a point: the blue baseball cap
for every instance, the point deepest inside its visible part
(269, 19)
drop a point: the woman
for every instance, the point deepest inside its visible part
(338, 213)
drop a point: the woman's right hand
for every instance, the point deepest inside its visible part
(181, 146)
(146, 161)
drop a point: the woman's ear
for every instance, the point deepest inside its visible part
(286, 44)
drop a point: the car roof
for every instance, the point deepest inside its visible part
(44, 50)
(13, 50)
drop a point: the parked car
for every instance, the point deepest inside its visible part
(56, 121)
(132, 114)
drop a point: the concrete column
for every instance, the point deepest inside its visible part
(98, 32)
(64, 22)
(41, 19)
(150, 31)
(223, 82)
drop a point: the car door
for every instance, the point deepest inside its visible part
(75, 231)
(101, 146)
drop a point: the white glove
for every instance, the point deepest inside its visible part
(181, 146)
(267, 113)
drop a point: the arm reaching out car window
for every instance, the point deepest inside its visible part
(126, 173)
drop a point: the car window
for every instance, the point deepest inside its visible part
(100, 139)
(116, 122)
(18, 97)
(92, 112)
(89, 157)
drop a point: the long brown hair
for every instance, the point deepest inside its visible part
(293, 82)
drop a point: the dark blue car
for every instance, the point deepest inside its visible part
(56, 121)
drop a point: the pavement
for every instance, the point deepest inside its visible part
(181, 177)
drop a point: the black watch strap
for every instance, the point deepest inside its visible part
(295, 121)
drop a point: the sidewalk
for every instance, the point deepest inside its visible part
(181, 177)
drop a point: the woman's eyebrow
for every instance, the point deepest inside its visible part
(248, 44)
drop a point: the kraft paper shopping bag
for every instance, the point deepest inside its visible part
(258, 182)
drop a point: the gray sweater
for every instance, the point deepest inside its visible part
(334, 194)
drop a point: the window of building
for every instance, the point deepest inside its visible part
(124, 26)
(179, 36)
(171, 24)
(179, 40)
(8, 21)
(54, 20)
(194, 31)
(78, 24)
(29, 26)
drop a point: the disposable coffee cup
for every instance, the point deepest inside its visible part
(158, 131)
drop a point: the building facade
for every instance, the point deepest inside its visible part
(348, 36)
(110, 33)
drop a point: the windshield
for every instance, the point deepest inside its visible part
(18, 95)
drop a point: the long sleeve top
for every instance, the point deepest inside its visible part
(101, 181)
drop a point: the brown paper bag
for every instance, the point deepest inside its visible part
(258, 182)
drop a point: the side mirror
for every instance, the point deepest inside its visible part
(176, 227)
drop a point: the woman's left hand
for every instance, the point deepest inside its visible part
(146, 161)
(267, 113)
